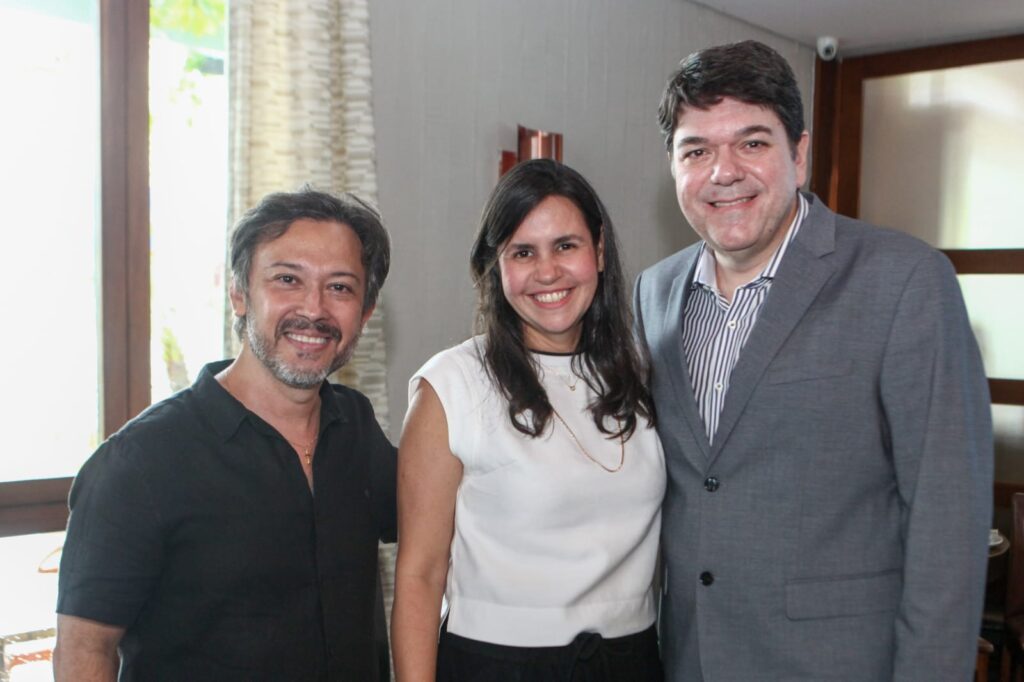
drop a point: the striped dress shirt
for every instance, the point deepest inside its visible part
(714, 331)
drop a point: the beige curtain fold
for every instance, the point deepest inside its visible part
(301, 111)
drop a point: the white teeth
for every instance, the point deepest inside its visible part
(724, 204)
(308, 339)
(551, 296)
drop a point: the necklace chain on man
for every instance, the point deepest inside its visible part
(622, 446)
(307, 450)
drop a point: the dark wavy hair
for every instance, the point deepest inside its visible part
(614, 369)
(748, 71)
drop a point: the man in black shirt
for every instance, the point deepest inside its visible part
(230, 532)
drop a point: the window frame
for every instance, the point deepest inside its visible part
(836, 145)
(39, 506)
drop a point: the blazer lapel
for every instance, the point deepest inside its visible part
(801, 275)
(674, 358)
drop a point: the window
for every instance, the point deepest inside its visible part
(188, 105)
(926, 140)
(49, 175)
(94, 274)
(76, 158)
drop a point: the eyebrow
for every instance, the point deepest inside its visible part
(744, 132)
(558, 240)
(288, 265)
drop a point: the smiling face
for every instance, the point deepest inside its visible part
(549, 274)
(736, 178)
(304, 310)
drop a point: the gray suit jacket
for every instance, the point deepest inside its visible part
(844, 534)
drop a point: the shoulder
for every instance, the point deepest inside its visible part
(458, 377)
(464, 359)
(668, 269)
(654, 286)
(154, 429)
(352, 402)
(142, 452)
(358, 418)
(889, 254)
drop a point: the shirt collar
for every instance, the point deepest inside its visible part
(704, 274)
(225, 413)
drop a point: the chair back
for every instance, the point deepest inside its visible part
(1015, 573)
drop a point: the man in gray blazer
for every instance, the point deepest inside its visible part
(823, 409)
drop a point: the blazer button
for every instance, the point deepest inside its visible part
(711, 484)
(706, 578)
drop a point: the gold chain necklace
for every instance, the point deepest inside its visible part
(622, 446)
(307, 450)
(564, 380)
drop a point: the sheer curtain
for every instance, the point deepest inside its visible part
(301, 111)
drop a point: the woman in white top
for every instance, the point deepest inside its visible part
(530, 475)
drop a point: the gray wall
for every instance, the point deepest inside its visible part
(452, 78)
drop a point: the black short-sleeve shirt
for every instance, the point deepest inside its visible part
(194, 528)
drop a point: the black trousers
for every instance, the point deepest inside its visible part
(588, 658)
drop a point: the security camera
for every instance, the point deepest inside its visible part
(828, 48)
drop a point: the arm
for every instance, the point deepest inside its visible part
(111, 560)
(936, 403)
(86, 650)
(428, 478)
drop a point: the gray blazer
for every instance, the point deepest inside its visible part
(837, 529)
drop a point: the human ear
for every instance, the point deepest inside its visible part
(800, 158)
(238, 300)
(367, 313)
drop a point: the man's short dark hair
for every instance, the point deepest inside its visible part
(749, 71)
(276, 212)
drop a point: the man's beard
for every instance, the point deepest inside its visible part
(263, 349)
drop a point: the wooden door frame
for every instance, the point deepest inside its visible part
(837, 139)
(38, 506)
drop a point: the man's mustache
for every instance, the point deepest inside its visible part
(302, 324)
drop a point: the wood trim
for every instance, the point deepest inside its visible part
(987, 261)
(34, 506)
(838, 111)
(124, 131)
(41, 506)
(1007, 391)
(823, 142)
(846, 180)
(1002, 493)
(946, 56)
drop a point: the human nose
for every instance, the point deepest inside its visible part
(548, 269)
(726, 169)
(312, 303)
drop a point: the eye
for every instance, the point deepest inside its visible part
(566, 246)
(520, 254)
(755, 144)
(286, 279)
(694, 154)
(340, 287)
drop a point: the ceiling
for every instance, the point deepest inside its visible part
(871, 26)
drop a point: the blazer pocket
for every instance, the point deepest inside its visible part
(785, 374)
(843, 596)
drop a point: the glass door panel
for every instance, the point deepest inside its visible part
(49, 182)
(188, 189)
